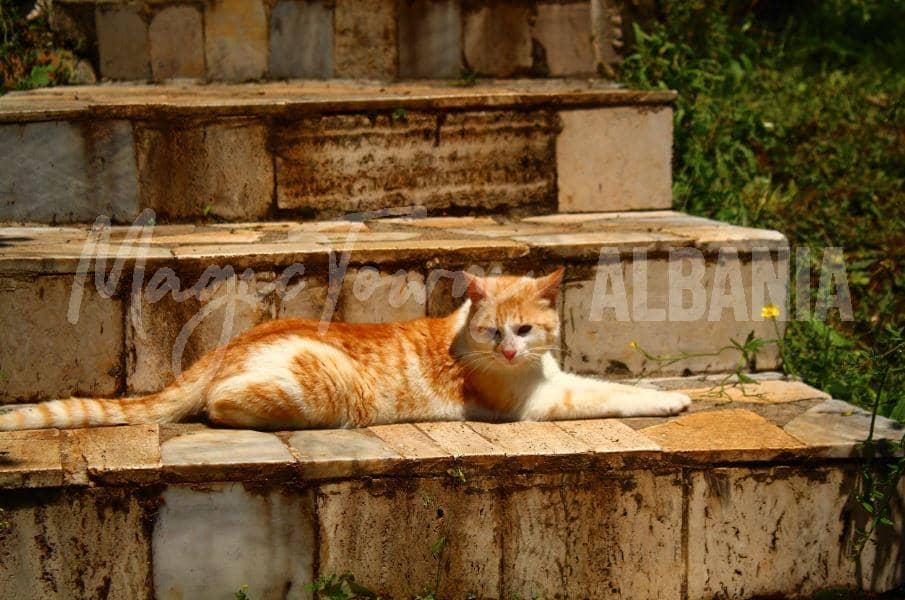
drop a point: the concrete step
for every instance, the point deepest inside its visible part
(316, 149)
(241, 40)
(748, 495)
(94, 334)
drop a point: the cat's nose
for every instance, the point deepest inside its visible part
(509, 353)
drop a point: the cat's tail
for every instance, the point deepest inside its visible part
(170, 405)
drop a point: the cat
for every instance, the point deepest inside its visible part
(491, 359)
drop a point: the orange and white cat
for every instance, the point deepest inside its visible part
(489, 360)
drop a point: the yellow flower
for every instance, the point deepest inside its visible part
(770, 311)
(633, 344)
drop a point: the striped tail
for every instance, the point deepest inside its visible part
(171, 405)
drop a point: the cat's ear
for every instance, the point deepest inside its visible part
(548, 285)
(475, 287)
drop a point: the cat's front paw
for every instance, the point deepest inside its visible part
(669, 403)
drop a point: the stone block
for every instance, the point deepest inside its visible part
(192, 171)
(95, 159)
(76, 543)
(336, 453)
(780, 530)
(167, 333)
(122, 40)
(662, 319)
(614, 159)
(594, 536)
(235, 39)
(838, 429)
(211, 541)
(369, 296)
(177, 43)
(564, 33)
(364, 42)
(383, 533)
(44, 355)
(301, 39)
(430, 43)
(477, 160)
(497, 39)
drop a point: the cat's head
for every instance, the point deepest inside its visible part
(513, 319)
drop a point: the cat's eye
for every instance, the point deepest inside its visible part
(490, 333)
(524, 330)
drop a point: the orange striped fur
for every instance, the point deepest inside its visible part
(490, 359)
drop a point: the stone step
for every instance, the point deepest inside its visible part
(747, 495)
(315, 149)
(96, 334)
(242, 40)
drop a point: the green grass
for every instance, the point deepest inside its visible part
(794, 119)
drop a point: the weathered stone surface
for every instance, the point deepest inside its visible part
(96, 161)
(190, 171)
(218, 454)
(529, 445)
(336, 453)
(481, 160)
(411, 443)
(594, 536)
(114, 455)
(30, 459)
(430, 38)
(177, 43)
(733, 434)
(76, 543)
(211, 541)
(761, 392)
(497, 39)
(778, 531)
(122, 40)
(614, 159)
(369, 296)
(838, 429)
(168, 333)
(608, 436)
(661, 318)
(564, 32)
(383, 533)
(235, 39)
(301, 39)
(463, 442)
(364, 42)
(44, 355)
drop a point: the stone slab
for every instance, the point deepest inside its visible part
(209, 541)
(383, 532)
(301, 39)
(122, 40)
(564, 32)
(594, 536)
(82, 358)
(838, 429)
(614, 159)
(177, 43)
(224, 454)
(368, 296)
(235, 40)
(30, 459)
(364, 39)
(725, 435)
(761, 392)
(113, 455)
(533, 445)
(96, 160)
(338, 453)
(465, 444)
(430, 39)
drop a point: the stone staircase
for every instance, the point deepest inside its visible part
(229, 204)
